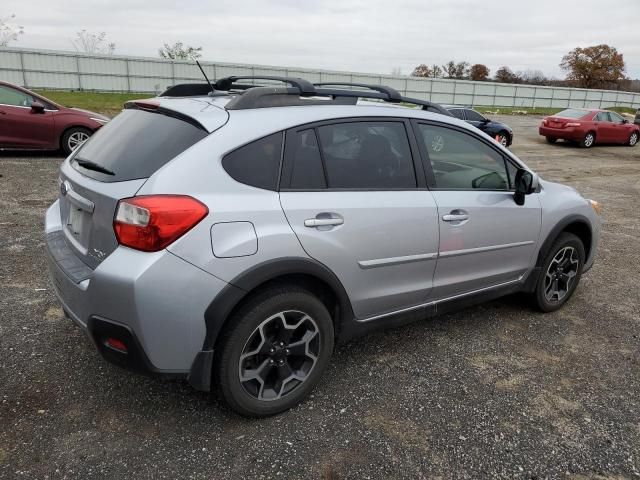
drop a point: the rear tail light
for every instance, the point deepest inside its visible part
(151, 223)
(544, 122)
(572, 124)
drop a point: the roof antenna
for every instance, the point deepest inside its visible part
(205, 75)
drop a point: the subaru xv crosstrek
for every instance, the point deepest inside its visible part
(231, 237)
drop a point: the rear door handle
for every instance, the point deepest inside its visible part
(455, 217)
(323, 222)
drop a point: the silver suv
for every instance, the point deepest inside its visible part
(232, 236)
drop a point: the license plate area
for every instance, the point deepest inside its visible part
(77, 226)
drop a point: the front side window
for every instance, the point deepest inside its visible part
(461, 162)
(11, 96)
(256, 164)
(457, 112)
(615, 117)
(367, 155)
(474, 116)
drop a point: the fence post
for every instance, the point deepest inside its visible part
(77, 57)
(24, 75)
(473, 95)
(126, 70)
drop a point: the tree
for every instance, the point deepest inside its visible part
(89, 42)
(478, 72)
(533, 77)
(421, 71)
(9, 32)
(436, 71)
(505, 75)
(593, 67)
(178, 51)
(459, 70)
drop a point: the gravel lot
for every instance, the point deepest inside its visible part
(494, 391)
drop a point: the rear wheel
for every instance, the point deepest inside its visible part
(73, 138)
(551, 140)
(561, 273)
(588, 140)
(275, 351)
(633, 139)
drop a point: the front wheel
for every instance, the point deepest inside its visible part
(561, 273)
(73, 138)
(278, 344)
(633, 139)
(588, 140)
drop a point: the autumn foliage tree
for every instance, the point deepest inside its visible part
(478, 72)
(594, 67)
(421, 70)
(505, 75)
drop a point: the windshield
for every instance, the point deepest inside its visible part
(571, 113)
(134, 145)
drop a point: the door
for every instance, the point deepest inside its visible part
(620, 129)
(20, 126)
(485, 238)
(350, 192)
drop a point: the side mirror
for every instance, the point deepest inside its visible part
(624, 120)
(525, 183)
(37, 107)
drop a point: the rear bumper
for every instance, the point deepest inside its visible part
(156, 301)
(570, 133)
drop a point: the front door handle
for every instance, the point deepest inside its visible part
(323, 222)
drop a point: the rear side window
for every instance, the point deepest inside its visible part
(602, 117)
(256, 164)
(134, 145)
(474, 116)
(457, 112)
(367, 155)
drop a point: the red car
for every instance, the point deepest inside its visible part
(29, 121)
(588, 127)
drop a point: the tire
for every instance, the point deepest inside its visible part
(633, 139)
(255, 348)
(551, 140)
(566, 253)
(589, 140)
(73, 138)
(503, 139)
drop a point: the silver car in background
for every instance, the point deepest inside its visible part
(232, 236)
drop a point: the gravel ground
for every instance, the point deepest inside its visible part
(494, 391)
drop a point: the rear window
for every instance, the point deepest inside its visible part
(571, 113)
(134, 145)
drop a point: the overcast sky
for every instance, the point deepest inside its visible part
(357, 35)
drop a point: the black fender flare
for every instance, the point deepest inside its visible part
(238, 288)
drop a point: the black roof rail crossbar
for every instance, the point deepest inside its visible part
(186, 90)
(262, 97)
(305, 87)
(393, 94)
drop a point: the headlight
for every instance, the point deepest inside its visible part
(597, 207)
(101, 121)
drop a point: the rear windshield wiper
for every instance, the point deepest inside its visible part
(89, 165)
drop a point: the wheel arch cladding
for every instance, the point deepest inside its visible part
(307, 273)
(576, 224)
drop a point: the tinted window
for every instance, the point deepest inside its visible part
(11, 96)
(571, 113)
(367, 155)
(256, 164)
(615, 117)
(460, 161)
(302, 155)
(474, 116)
(457, 112)
(135, 144)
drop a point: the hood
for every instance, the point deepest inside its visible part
(89, 113)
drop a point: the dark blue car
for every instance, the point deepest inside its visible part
(500, 131)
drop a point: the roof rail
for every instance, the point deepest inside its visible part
(305, 87)
(394, 95)
(186, 90)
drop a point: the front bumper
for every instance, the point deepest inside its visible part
(157, 297)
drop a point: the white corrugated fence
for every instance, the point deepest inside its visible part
(59, 70)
